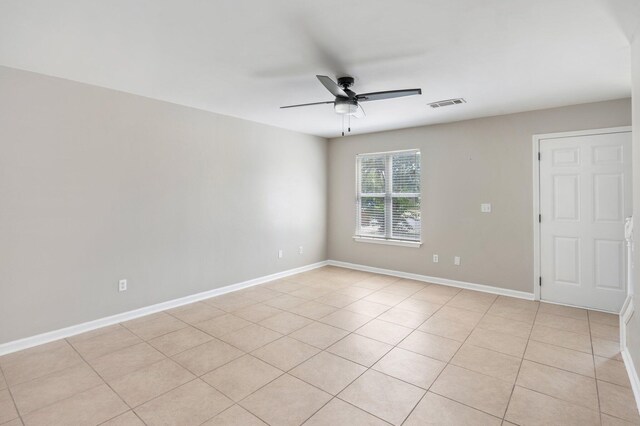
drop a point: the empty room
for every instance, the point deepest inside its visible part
(278, 212)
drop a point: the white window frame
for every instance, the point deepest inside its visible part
(388, 196)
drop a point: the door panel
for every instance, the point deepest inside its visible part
(603, 155)
(566, 197)
(567, 260)
(585, 195)
(608, 197)
(566, 157)
(609, 264)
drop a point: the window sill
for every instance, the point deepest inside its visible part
(401, 243)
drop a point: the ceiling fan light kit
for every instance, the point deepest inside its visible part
(346, 106)
(347, 102)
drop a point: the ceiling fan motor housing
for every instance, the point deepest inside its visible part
(345, 82)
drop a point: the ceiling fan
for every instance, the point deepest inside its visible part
(347, 102)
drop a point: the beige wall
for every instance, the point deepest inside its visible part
(464, 164)
(633, 330)
(98, 185)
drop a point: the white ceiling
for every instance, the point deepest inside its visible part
(245, 58)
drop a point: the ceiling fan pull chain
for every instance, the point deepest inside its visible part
(343, 125)
(349, 123)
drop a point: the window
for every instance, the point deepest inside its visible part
(388, 197)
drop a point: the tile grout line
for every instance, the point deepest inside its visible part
(77, 393)
(11, 395)
(367, 368)
(234, 402)
(355, 406)
(130, 410)
(572, 372)
(166, 357)
(452, 356)
(463, 343)
(283, 310)
(515, 382)
(555, 397)
(562, 347)
(103, 355)
(324, 350)
(83, 391)
(156, 336)
(574, 350)
(594, 377)
(561, 369)
(101, 378)
(140, 340)
(416, 329)
(279, 376)
(595, 374)
(314, 386)
(219, 339)
(223, 411)
(164, 393)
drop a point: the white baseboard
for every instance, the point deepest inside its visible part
(39, 339)
(436, 280)
(633, 376)
(625, 316)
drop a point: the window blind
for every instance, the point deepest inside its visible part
(388, 195)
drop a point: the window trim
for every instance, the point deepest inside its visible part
(388, 196)
(389, 242)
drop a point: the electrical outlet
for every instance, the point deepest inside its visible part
(122, 285)
(280, 254)
(485, 207)
(456, 260)
(300, 250)
(435, 258)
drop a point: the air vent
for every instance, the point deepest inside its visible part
(447, 102)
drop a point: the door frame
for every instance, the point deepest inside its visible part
(535, 160)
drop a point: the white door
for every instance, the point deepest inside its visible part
(585, 195)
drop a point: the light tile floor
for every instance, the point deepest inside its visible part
(328, 347)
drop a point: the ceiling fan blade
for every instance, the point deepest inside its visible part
(376, 96)
(301, 105)
(332, 86)
(359, 112)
